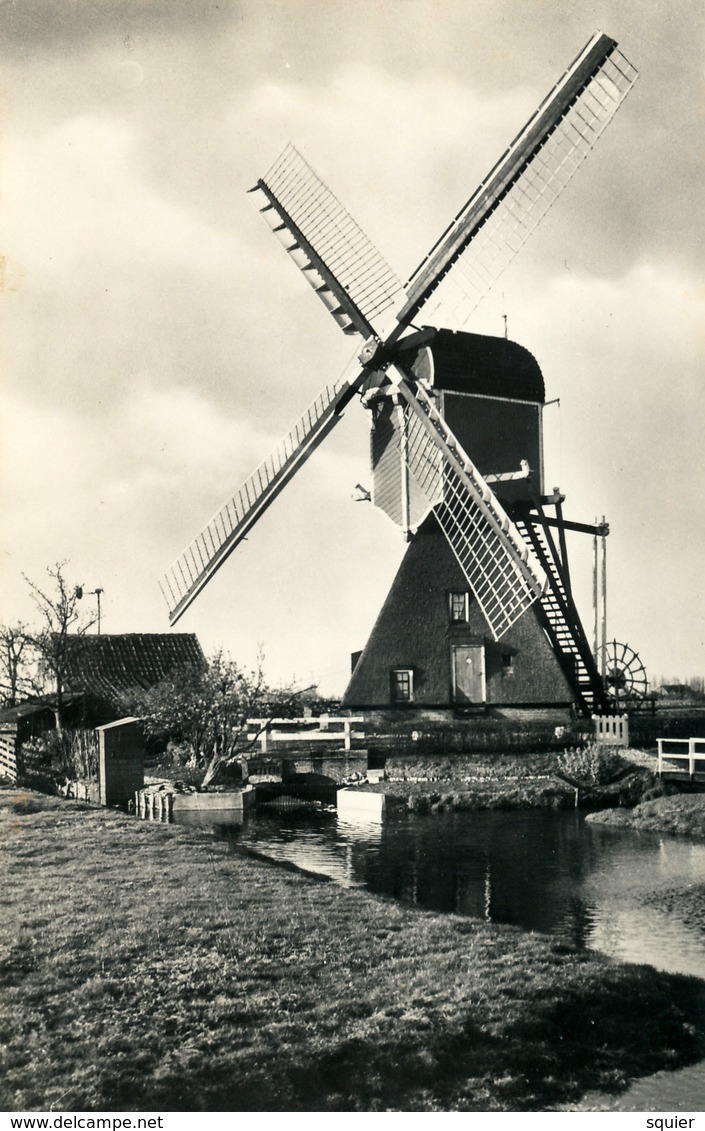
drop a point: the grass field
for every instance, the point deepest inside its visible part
(147, 967)
(682, 813)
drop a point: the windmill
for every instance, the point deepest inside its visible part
(493, 522)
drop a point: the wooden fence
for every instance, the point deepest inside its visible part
(8, 751)
(611, 730)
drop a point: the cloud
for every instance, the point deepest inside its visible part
(42, 26)
(625, 357)
(109, 278)
(76, 196)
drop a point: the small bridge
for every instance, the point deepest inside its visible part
(681, 759)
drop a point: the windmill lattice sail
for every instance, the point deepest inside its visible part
(511, 202)
(503, 574)
(358, 288)
(184, 580)
(335, 256)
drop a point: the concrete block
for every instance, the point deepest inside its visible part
(235, 800)
(356, 803)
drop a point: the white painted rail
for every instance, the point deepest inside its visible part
(325, 728)
(694, 752)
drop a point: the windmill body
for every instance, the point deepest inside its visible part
(456, 437)
(430, 645)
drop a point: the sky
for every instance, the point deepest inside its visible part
(156, 342)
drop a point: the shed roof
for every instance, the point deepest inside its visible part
(109, 665)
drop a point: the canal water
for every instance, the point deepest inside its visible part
(546, 871)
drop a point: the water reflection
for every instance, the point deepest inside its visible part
(540, 870)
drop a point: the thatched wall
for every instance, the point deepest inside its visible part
(413, 631)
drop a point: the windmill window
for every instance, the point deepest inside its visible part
(507, 663)
(402, 680)
(458, 607)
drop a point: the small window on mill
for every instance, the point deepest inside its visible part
(458, 607)
(507, 663)
(402, 685)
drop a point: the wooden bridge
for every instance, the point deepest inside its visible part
(688, 754)
(324, 728)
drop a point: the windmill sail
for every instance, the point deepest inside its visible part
(359, 288)
(337, 259)
(510, 203)
(503, 574)
(205, 555)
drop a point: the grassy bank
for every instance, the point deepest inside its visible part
(682, 813)
(146, 967)
(437, 784)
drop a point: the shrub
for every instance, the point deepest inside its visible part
(594, 765)
(200, 714)
(71, 755)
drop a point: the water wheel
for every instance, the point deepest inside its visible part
(625, 675)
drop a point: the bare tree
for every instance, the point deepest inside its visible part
(57, 641)
(15, 655)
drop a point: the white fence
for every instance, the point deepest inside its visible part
(322, 729)
(8, 751)
(694, 752)
(611, 730)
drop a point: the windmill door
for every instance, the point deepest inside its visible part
(468, 673)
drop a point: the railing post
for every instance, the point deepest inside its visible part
(263, 739)
(346, 726)
(691, 757)
(659, 768)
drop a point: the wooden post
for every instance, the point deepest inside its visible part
(603, 666)
(121, 760)
(659, 767)
(595, 602)
(691, 757)
(348, 742)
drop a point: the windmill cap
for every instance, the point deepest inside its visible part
(479, 363)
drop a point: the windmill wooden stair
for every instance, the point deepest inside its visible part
(560, 618)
